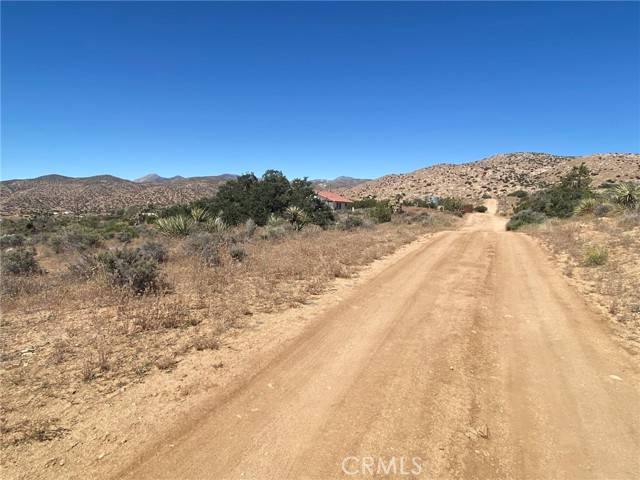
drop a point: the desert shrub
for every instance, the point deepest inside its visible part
(56, 243)
(206, 342)
(453, 205)
(178, 225)
(480, 209)
(486, 195)
(351, 222)
(109, 227)
(524, 217)
(77, 237)
(131, 269)
(275, 228)
(273, 232)
(381, 213)
(368, 202)
(126, 235)
(237, 252)
(595, 256)
(11, 240)
(627, 194)
(249, 228)
(586, 206)
(85, 267)
(20, 261)
(561, 200)
(602, 209)
(518, 194)
(206, 246)
(155, 250)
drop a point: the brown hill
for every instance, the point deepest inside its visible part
(497, 175)
(98, 194)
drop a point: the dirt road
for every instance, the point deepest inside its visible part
(470, 357)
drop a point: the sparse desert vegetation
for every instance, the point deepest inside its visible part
(595, 235)
(84, 318)
(498, 176)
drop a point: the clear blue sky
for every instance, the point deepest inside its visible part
(315, 89)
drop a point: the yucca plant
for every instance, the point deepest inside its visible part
(178, 225)
(627, 194)
(217, 225)
(296, 216)
(586, 206)
(274, 221)
(199, 214)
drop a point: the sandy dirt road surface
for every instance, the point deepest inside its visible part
(470, 354)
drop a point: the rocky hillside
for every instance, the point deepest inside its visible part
(497, 175)
(99, 194)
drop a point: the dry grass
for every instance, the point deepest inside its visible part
(602, 255)
(67, 339)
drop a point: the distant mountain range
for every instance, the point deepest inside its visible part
(338, 183)
(106, 193)
(335, 184)
(155, 178)
(100, 194)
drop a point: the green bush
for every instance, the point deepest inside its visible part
(11, 240)
(452, 205)
(561, 200)
(77, 237)
(480, 209)
(524, 217)
(595, 256)
(251, 197)
(178, 225)
(132, 269)
(368, 202)
(381, 213)
(519, 194)
(20, 261)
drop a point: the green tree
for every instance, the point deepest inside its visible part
(561, 200)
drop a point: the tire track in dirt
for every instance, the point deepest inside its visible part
(470, 352)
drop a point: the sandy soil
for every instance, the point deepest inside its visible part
(468, 351)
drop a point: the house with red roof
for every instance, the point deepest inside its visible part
(334, 200)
